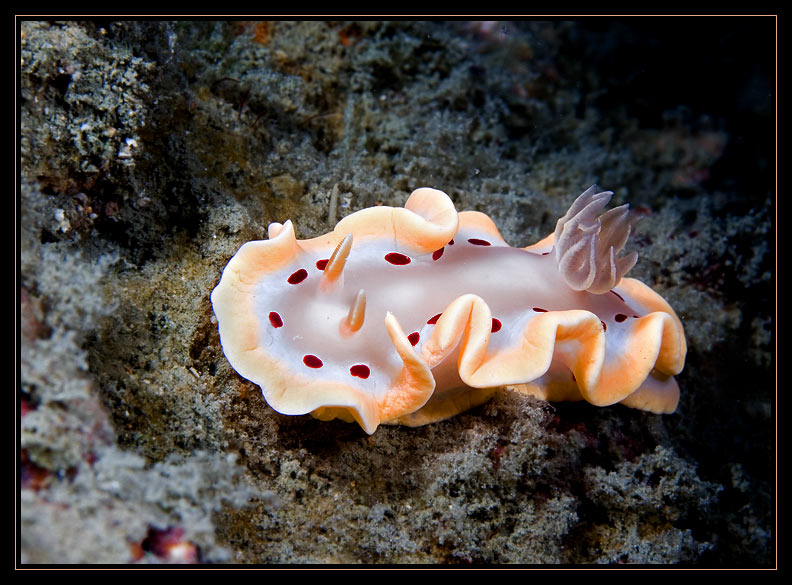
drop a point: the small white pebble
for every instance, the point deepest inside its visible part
(63, 223)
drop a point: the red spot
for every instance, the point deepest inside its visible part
(170, 545)
(312, 361)
(437, 254)
(275, 320)
(360, 371)
(477, 242)
(298, 276)
(451, 243)
(349, 35)
(496, 454)
(434, 319)
(397, 259)
(31, 475)
(545, 253)
(496, 325)
(414, 338)
(604, 327)
(25, 407)
(618, 295)
(322, 264)
(620, 317)
(539, 310)
(636, 317)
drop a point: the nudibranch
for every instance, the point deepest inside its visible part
(411, 315)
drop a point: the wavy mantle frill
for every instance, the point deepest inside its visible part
(410, 315)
